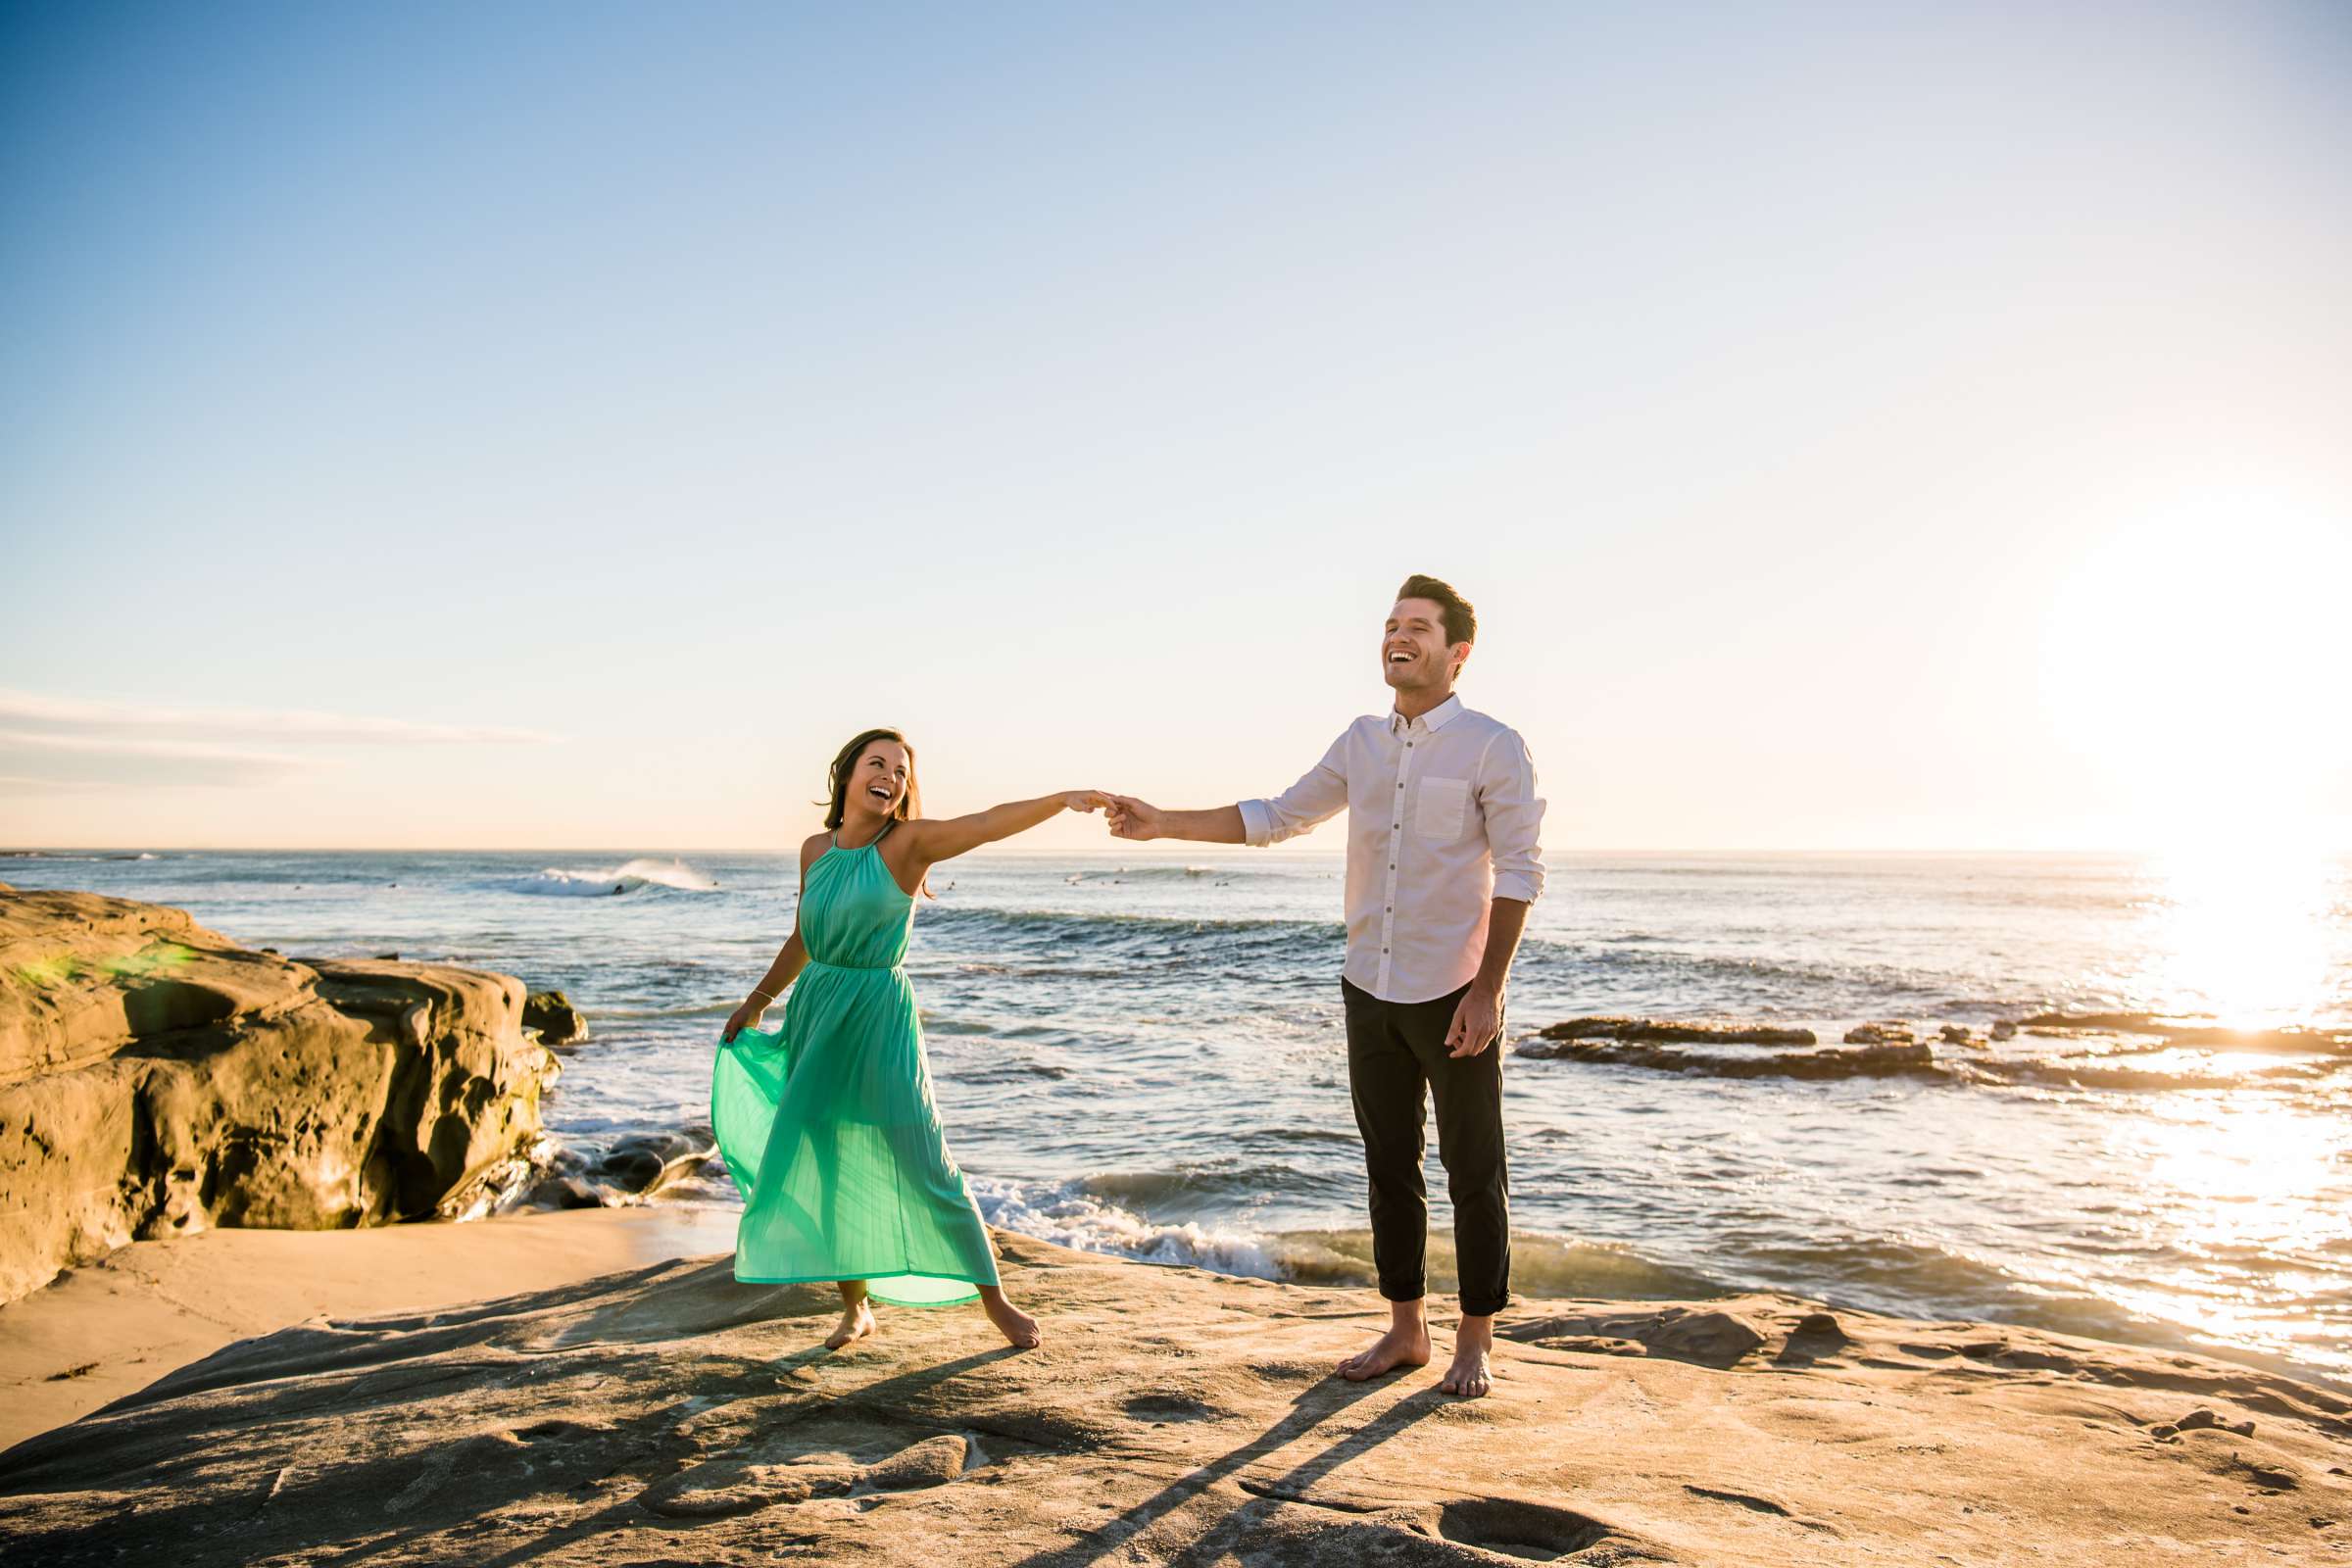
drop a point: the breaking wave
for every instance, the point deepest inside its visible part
(1072, 1216)
(634, 876)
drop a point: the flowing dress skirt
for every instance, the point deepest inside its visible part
(828, 1127)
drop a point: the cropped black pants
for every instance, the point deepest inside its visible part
(1395, 1050)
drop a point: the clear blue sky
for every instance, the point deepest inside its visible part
(560, 424)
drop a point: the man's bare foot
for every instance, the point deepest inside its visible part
(1471, 1376)
(1018, 1327)
(857, 1322)
(1405, 1345)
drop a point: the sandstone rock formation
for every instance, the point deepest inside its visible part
(675, 1416)
(157, 1078)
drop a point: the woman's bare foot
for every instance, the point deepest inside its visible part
(857, 1322)
(1471, 1376)
(1406, 1343)
(1018, 1327)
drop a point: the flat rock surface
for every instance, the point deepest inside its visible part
(670, 1415)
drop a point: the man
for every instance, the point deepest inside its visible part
(1443, 861)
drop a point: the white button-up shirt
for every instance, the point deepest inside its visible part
(1443, 818)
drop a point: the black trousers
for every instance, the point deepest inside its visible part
(1395, 1050)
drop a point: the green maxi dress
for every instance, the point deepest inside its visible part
(827, 1124)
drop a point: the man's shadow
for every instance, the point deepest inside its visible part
(1309, 1410)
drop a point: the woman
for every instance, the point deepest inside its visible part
(827, 1124)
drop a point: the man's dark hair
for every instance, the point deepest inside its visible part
(1461, 621)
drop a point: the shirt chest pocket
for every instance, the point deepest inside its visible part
(1438, 809)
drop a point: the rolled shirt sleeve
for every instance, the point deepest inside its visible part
(1514, 813)
(1320, 795)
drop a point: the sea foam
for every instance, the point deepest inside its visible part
(631, 877)
(1070, 1216)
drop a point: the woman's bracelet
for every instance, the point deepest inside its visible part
(756, 992)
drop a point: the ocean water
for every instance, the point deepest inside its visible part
(1145, 1055)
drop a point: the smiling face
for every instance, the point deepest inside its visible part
(1414, 655)
(878, 779)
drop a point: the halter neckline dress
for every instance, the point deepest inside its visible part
(827, 1123)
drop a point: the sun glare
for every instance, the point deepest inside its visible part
(2197, 650)
(2244, 932)
(2195, 666)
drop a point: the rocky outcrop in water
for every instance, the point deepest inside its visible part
(557, 1021)
(157, 1078)
(638, 1166)
(1916, 1059)
(1664, 1031)
(2202, 1033)
(1832, 1061)
(675, 1416)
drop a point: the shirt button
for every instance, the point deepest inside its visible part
(1400, 783)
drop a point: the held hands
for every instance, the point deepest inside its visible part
(1088, 801)
(1477, 1021)
(1131, 819)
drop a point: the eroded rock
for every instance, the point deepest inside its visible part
(557, 1021)
(156, 1079)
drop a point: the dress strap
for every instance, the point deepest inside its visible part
(835, 835)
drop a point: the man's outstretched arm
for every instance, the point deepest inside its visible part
(1131, 819)
(1320, 795)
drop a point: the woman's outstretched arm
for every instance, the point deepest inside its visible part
(942, 839)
